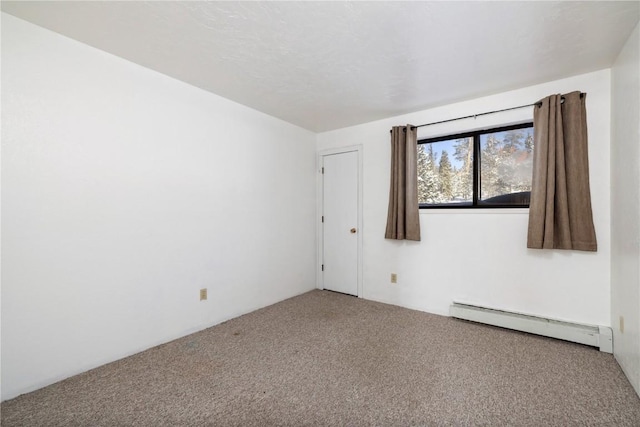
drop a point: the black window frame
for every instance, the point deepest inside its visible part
(476, 168)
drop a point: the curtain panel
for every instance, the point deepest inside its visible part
(560, 215)
(403, 218)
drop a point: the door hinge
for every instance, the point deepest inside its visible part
(322, 218)
(322, 267)
(323, 169)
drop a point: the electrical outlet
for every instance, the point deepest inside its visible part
(394, 278)
(203, 294)
(621, 324)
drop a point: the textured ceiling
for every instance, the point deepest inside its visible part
(326, 65)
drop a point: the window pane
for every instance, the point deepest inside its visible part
(506, 160)
(445, 172)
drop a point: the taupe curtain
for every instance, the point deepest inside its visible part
(560, 214)
(403, 219)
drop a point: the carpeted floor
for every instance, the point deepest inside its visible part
(327, 359)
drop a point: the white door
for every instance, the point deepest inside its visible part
(340, 222)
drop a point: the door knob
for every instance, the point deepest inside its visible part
(353, 230)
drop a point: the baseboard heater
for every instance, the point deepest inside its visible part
(595, 336)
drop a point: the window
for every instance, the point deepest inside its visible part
(487, 168)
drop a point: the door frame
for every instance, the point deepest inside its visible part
(320, 205)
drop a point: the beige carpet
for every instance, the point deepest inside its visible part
(329, 359)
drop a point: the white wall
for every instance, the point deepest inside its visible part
(480, 256)
(124, 193)
(625, 207)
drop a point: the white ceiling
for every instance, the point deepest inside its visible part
(327, 65)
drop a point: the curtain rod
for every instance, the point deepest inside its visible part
(538, 104)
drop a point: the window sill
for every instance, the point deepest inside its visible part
(475, 211)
